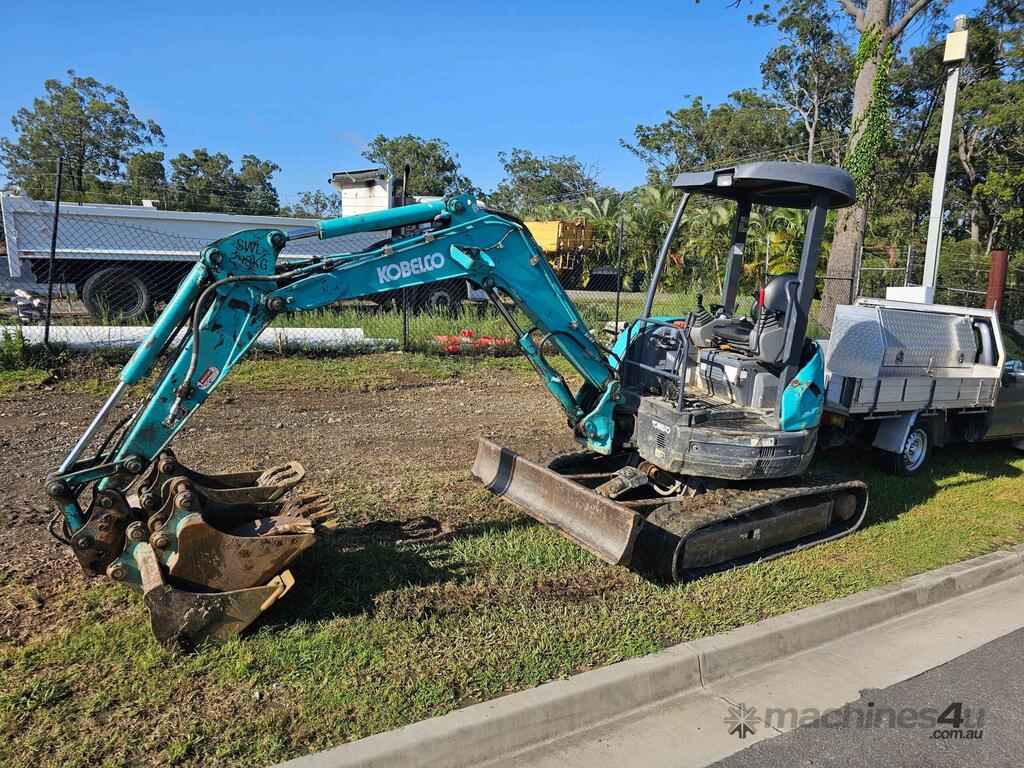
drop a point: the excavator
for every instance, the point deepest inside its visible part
(695, 432)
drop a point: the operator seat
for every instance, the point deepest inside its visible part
(768, 337)
(762, 335)
(708, 328)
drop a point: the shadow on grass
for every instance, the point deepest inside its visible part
(344, 572)
(891, 496)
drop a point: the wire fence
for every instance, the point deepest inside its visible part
(963, 278)
(97, 274)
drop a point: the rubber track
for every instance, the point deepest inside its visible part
(681, 518)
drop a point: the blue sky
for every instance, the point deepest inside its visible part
(307, 84)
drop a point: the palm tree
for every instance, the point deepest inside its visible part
(707, 231)
(651, 210)
(604, 215)
(554, 212)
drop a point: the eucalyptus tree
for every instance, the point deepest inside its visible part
(434, 169)
(87, 122)
(879, 25)
(808, 73)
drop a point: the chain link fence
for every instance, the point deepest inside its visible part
(962, 281)
(97, 274)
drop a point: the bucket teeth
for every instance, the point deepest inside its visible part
(217, 547)
(249, 487)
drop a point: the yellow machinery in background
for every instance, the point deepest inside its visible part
(566, 245)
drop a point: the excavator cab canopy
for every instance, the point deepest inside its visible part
(807, 186)
(785, 185)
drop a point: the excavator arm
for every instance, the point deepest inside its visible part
(208, 551)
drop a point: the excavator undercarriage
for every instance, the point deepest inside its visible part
(697, 430)
(677, 534)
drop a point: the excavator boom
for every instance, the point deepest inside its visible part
(205, 547)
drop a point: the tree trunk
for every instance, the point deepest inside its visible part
(851, 223)
(975, 224)
(965, 151)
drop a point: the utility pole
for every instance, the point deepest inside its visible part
(954, 56)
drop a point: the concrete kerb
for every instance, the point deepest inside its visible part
(519, 721)
(472, 735)
(747, 648)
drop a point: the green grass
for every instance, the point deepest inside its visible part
(481, 318)
(377, 635)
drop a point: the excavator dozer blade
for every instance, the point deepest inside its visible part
(596, 523)
(674, 537)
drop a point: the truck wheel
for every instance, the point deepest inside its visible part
(914, 456)
(441, 299)
(117, 293)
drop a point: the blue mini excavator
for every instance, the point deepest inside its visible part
(696, 431)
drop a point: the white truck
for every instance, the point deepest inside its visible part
(903, 378)
(123, 260)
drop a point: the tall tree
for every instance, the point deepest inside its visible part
(203, 181)
(989, 136)
(433, 168)
(533, 180)
(880, 23)
(145, 177)
(314, 205)
(89, 123)
(697, 135)
(254, 180)
(808, 74)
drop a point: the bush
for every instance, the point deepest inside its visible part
(17, 355)
(13, 351)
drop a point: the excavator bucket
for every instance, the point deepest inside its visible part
(596, 523)
(213, 553)
(182, 620)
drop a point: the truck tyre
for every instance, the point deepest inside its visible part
(913, 458)
(117, 293)
(441, 299)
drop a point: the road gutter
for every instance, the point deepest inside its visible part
(574, 721)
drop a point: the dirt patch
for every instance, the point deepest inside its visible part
(373, 439)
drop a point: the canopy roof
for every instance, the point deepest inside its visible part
(787, 185)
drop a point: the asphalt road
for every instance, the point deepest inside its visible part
(987, 682)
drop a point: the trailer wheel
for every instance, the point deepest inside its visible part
(914, 456)
(117, 293)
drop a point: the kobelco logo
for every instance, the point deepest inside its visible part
(416, 266)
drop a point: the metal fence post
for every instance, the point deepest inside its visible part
(405, 291)
(53, 250)
(618, 282)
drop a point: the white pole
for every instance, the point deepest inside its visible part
(956, 52)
